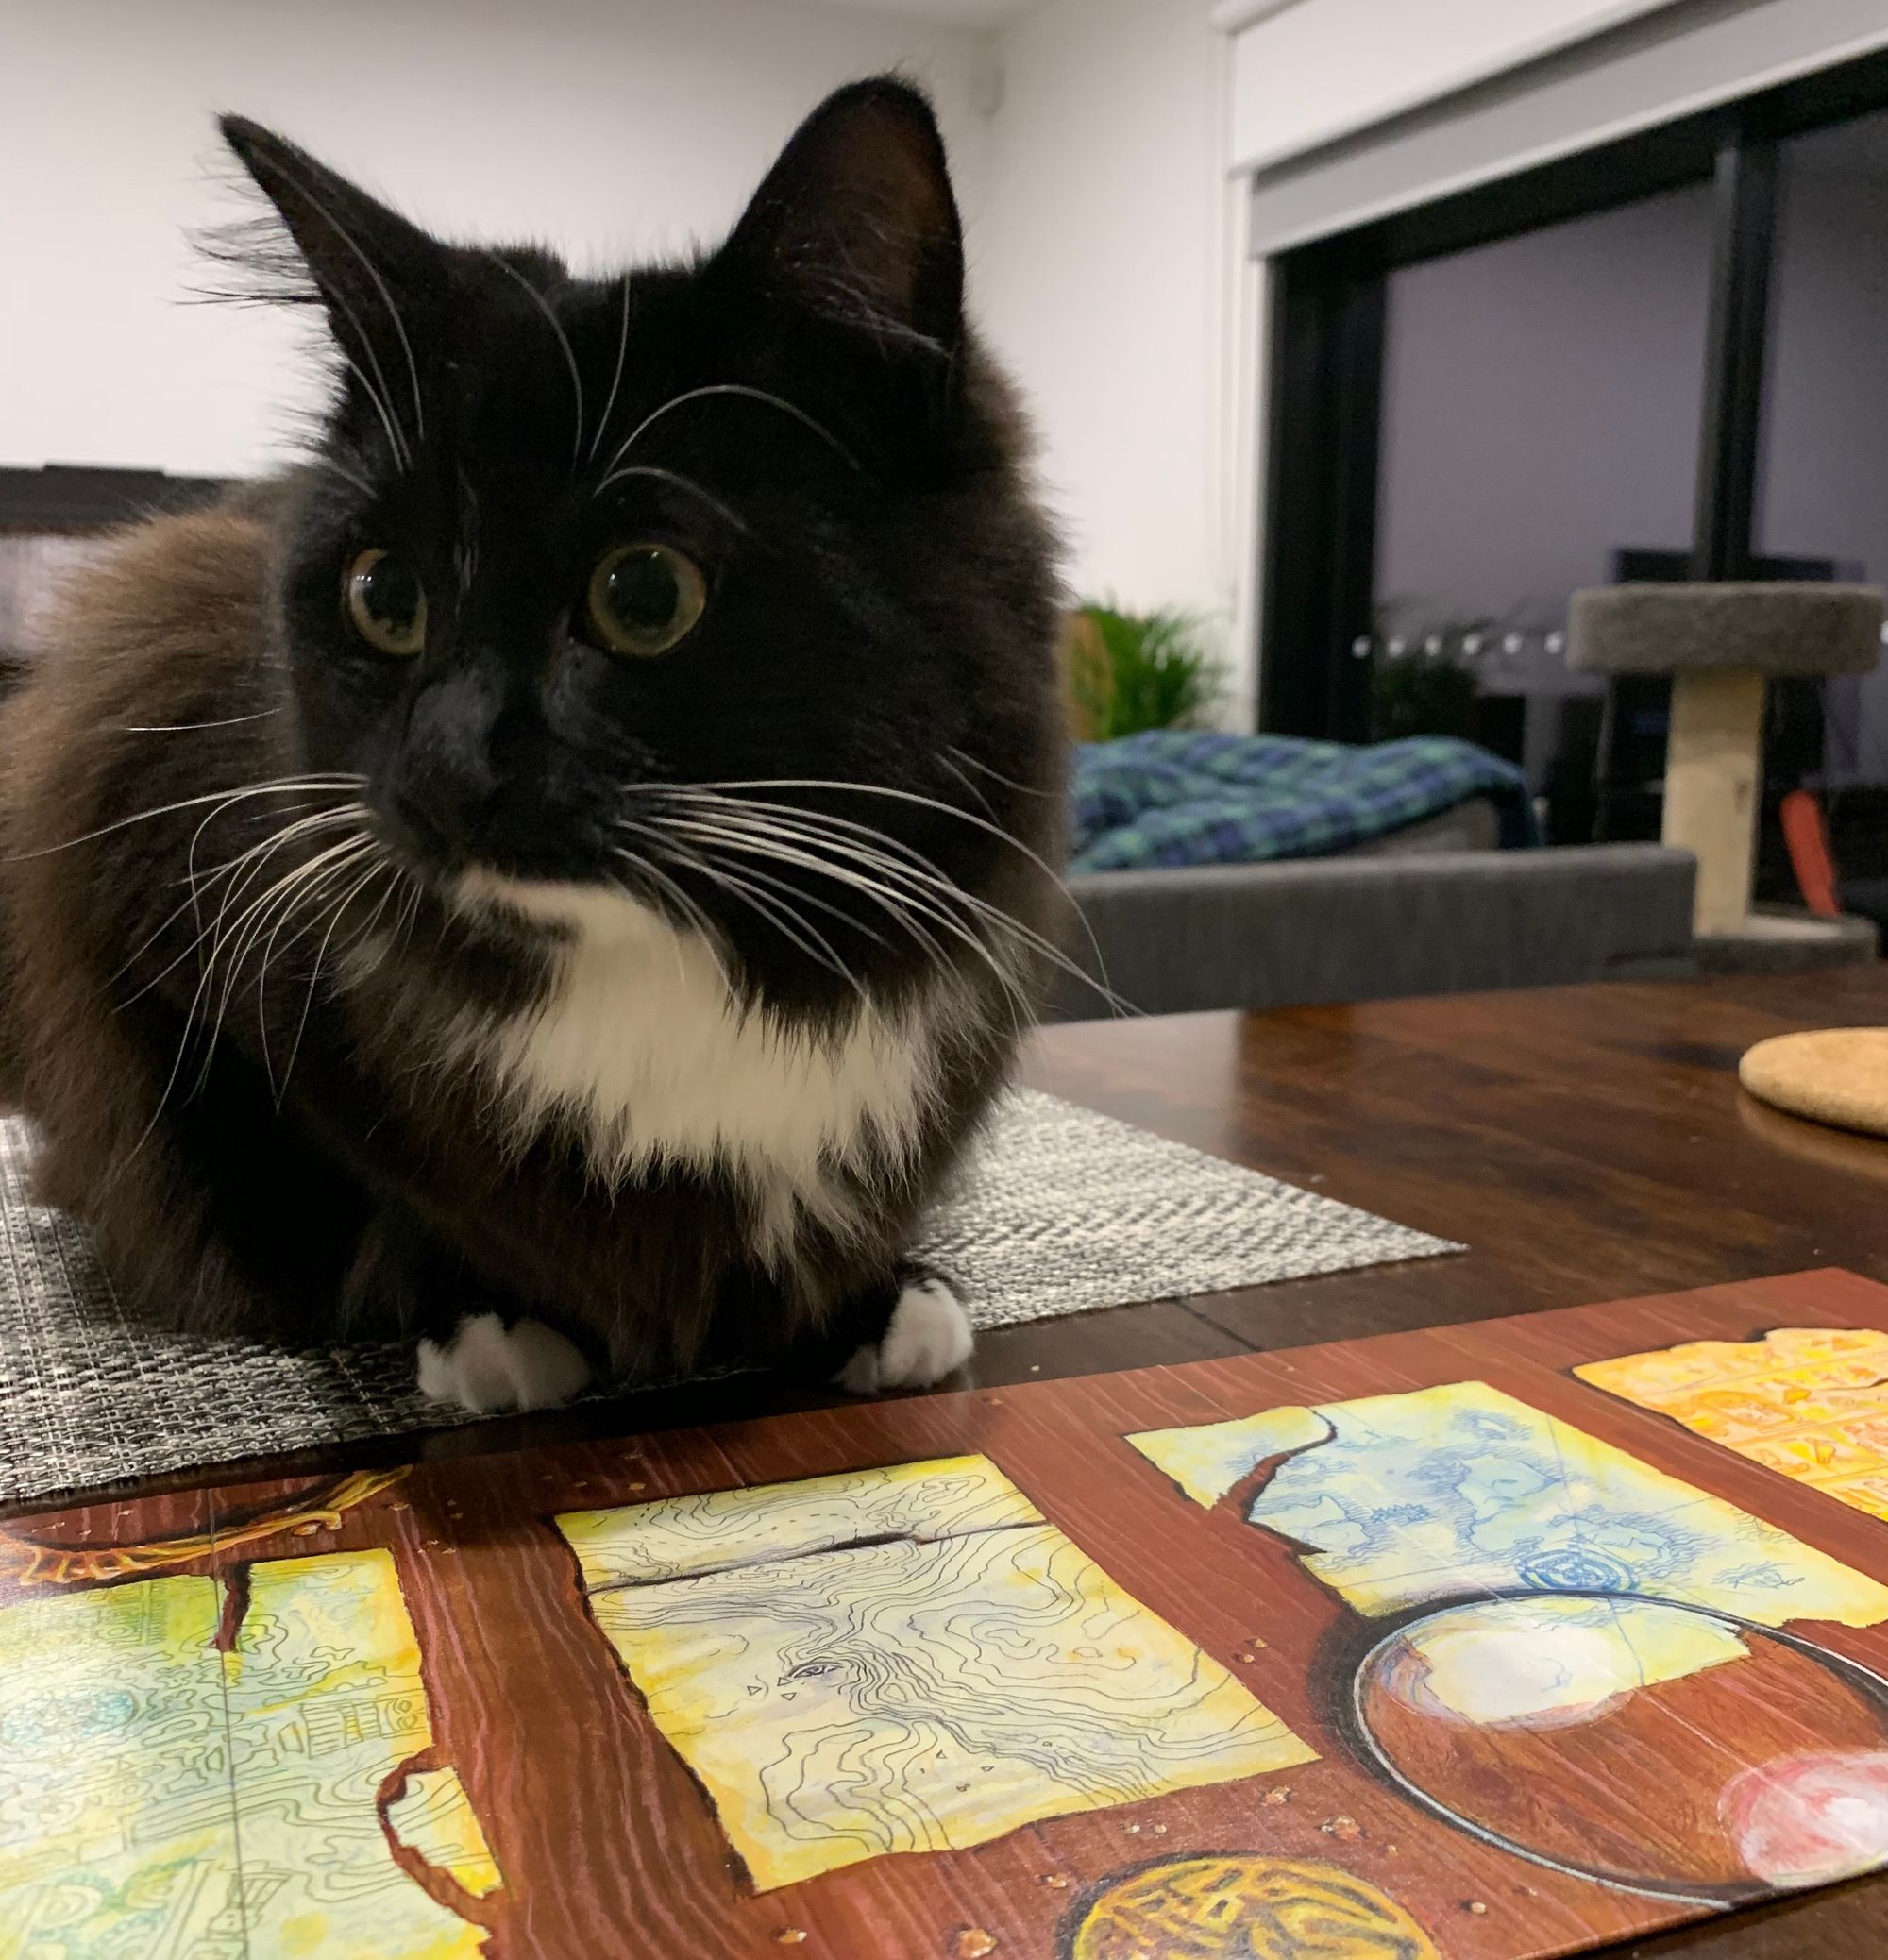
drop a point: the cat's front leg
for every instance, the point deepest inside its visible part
(472, 1350)
(909, 1332)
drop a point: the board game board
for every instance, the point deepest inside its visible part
(1485, 1643)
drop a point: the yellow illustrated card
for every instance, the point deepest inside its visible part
(917, 1692)
(165, 1797)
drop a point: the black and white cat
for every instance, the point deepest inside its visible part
(561, 874)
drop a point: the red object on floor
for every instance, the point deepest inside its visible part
(1806, 836)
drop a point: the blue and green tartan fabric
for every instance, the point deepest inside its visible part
(1170, 798)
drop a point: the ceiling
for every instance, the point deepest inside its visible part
(945, 13)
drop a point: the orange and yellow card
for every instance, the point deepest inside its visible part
(1809, 1402)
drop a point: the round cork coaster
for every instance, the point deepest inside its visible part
(1832, 1075)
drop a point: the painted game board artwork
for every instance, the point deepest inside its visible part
(1458, 1490)
(142, 1730)
(1567, 1584)
(1809, 1402)
(903, 1660)
(1475, 1644)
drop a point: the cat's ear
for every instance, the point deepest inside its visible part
(856, 220)
(374, 272)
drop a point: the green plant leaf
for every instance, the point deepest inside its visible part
(1154, 673)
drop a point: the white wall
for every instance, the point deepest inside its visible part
(612, 127)
(1098, 213)
(1103, 271)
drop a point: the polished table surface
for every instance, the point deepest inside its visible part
(1586, 1143)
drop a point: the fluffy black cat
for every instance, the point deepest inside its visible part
(561, 874)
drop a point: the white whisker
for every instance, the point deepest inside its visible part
(204, 986)
(786, 920)
(373, 271)
(682, 482)
(282, 787)
(334, 917)
(692, 915)
(902, 905)
(346, 476)
(616, 379)
(274, 906)
(998, 776)
(989, 808)
(738, 389)
(807, 898)
(321, 819)
(396, 441)
(929, 803)
(190, 727)
(866, 847)
(309, 889)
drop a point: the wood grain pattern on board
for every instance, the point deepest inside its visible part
(605, 1843)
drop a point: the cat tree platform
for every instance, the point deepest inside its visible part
(1721, 645)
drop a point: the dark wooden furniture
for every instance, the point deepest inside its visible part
(1586, 1142)
(72, 497)
(1589, 1144)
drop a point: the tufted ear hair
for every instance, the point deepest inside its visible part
(378, 276)
(858, 221)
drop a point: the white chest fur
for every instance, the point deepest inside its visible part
(640, 1048)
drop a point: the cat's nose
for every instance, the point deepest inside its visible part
(446, 780)
(446, 799)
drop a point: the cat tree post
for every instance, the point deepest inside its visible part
(1721, 645)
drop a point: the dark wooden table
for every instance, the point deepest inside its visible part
(1587, 1143)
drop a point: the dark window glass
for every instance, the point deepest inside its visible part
(1541, 407)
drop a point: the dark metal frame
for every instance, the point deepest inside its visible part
(1743, 223)
(1325, 381)
(1327, 358)
(65, 496)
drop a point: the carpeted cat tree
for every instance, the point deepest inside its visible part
(1721, 645)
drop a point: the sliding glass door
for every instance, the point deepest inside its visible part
(1667, 358)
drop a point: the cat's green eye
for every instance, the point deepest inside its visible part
(386, 603)
(643, 597)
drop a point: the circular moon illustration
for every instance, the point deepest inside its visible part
(1237, 1908)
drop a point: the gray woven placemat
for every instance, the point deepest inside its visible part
(1061, 1210)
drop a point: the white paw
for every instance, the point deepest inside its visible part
(488, 1366)
(927, 1336)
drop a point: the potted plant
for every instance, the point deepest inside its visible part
(1130, 671)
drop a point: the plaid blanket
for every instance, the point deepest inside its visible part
(1172, 798)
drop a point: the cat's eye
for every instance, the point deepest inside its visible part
(643, 597)
(386, 603)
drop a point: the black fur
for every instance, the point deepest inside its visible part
(804, 415)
